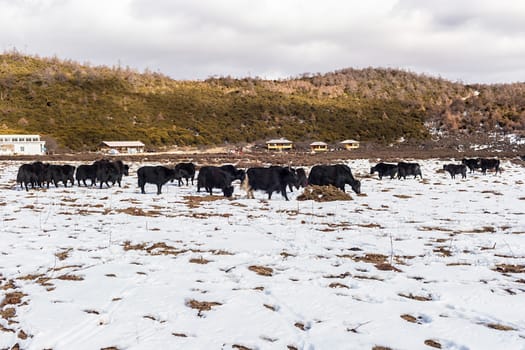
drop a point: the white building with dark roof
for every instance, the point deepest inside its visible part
(129, 147)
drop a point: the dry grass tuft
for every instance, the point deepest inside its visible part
(201, 305)
(63, 254)
(434, 228)
(138, 212)
(402, 196)
(432, 343)
(370, 225)
(387, 267)
(68, 277)
(199, 260)
(443, 251)
(286, 255)
(240, 347)
(22, 335)
(484, 229)
(182, 335)
(416, 297)
(261, 270)
(341, 275)
(493, 192)
(94, 312)
(379, 347)
(271, 307)
(500, 327)
(7, 313)
(371, 258)
(159, 248)
(338, 285)
(300, 325)
(409, 318)
(6, 330)
(323, 194)
(509, 268)
(13, 298)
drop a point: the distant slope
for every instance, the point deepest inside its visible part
(80, 105)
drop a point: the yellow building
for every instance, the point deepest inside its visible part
(319, 146)
(281, 144)
(350, 144)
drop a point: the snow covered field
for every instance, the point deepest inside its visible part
(411, 264)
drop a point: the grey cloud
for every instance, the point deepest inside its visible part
(474, 41)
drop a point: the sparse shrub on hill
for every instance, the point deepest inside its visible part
(79, 105)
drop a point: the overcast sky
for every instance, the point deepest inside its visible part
(461, 40)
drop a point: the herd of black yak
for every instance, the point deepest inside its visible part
(268, 179)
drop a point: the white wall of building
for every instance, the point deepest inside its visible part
(21, 144)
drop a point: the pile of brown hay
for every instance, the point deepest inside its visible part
(323, 194)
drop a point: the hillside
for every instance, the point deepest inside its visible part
(78, 105)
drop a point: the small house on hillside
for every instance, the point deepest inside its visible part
(22, 144)
(279, 144)
(319, 146)
(116, 147)
(350, 144)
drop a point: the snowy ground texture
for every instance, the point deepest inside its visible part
(411, 264)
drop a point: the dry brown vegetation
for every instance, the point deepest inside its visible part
(323, 194)
(500, 327)
(510, 268)
(158, 248)
(261, 270)
(201, 305)
(416, 297)
(433, 343)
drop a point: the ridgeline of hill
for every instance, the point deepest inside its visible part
(78, 106)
